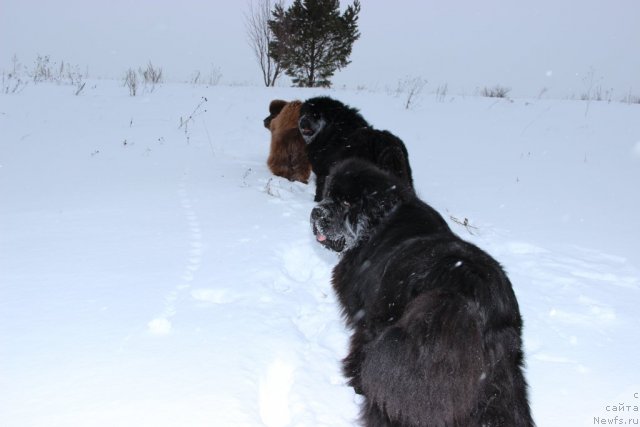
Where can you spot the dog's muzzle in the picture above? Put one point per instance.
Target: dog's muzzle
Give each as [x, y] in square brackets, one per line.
[305, 126]
[321, 224]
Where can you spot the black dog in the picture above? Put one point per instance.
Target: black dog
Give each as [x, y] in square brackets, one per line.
[436, 326]
[334, 132]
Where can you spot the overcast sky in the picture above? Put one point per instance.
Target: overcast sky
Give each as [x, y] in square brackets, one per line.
[563, 46]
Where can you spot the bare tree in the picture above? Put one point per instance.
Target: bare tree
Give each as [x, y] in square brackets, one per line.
[259, 37]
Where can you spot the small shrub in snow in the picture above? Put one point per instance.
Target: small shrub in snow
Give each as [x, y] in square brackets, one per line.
[80, 88]
[631, 99]
[184, 122]
[411, 88]
[465, 223]
[71, 74]
[45, 70]
[131, 81]
[597, 94]
[593, 88]
[542, 92]
[151, 75]
[42, 69]
[214, 76]
[211, 79]
[270, 190]
[196, 78]
[441, 92]
[495, 92]
[12, 83]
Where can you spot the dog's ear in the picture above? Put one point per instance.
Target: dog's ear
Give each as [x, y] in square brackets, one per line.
[276, 106]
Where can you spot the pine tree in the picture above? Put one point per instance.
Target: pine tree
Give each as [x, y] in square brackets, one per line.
[312, 39]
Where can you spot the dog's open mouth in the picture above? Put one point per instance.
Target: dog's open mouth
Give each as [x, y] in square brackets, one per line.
[307, 131]
[320, 237]
[335, 245]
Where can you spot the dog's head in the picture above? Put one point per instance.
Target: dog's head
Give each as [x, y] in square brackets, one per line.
[358, 196]
[322, 112]
[274, 109]
[312, 118]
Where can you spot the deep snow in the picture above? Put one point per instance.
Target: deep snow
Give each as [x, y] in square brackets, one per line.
[153, 274]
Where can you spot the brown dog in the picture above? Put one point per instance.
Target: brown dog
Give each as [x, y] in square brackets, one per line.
[287, 155]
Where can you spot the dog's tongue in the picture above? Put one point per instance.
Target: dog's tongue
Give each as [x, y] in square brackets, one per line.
[321, 237]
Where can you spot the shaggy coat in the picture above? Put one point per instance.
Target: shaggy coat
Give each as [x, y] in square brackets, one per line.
[334, 131]
[436, 328]
[287, 156]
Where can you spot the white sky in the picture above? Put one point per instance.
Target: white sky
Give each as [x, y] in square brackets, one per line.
[565, 46]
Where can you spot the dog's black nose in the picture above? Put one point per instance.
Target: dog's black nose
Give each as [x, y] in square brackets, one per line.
[304, 123]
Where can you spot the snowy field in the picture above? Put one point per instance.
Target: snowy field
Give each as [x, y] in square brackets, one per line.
[153, 274]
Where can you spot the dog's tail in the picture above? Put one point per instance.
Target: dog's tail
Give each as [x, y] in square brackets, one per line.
[428, 368]
[441, 364]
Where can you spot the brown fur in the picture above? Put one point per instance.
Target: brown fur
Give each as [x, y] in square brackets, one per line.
[287, 156]
[274, 109]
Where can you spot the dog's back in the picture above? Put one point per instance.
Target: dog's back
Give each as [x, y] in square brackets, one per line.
[383, 149]
[437, 327]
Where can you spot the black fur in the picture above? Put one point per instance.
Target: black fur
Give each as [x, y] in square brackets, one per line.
[334, 131]
[436, 326]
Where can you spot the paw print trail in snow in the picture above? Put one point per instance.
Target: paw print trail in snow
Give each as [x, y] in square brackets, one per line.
[162, 325]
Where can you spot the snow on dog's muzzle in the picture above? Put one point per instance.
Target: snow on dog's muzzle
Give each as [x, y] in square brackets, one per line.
[321, 223]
